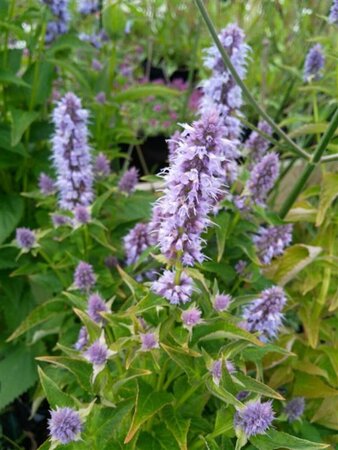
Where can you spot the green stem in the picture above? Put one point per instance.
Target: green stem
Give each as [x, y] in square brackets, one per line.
[330, 158]
[311, 165]
[227, 62]
[188, 394]
[52, 266]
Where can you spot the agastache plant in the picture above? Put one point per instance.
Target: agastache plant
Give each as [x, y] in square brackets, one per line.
[72, 154]
[333, 16]
[314, 63]
[64, 425]
[254, 418]
[271, 241]
[60, 23]
[88, 6]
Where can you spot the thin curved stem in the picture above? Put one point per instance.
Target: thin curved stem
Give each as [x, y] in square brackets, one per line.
[295, 148]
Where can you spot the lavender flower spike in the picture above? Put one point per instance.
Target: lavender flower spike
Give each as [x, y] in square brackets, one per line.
[265, 313]
[128, 181]
[101, 166]
[98, 354]
[60, 23]
[149, 341]
[25, 238]
[314, 63]
[191, 317]
[46, 184]
[71, 153]
[136, 242]
[86, 7]
[176, 293]
[96, 306]
[254, 418]
[333, 16]
[271, 241]
[263, 177]
[257, 145]
[84, 276]
[294, 409]
[82, 339]
[64, 425]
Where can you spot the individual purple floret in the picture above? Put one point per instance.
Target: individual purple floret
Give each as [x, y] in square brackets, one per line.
[217, 369]
[98, 353]
[263, 177]
[84, 276]
[101, 166]
[294, 409]
[136, 242]
[240, 267]
[129, 181]
[191, 317]
[192, 186]
[333, 16]
[271, 241]
[46, 184]
[60, 24]
[314, 63]
[82, 339]
[64, 425]
[60, 220]
[96, 305]
[71, 153]
[257, 145]
[101, 98]
[25, 238]
[176, 292]
[86, 7]
[111, 262]
[149, 341]
[222, 302]
[265, 313]
[254, 418]
[82, 214]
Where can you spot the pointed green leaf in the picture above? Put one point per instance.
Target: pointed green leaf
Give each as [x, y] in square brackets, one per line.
[222, 394]
[177, 425]
[328, 193]
[276, 440]
[11, 211]
[21, 120]
[54, 394]
[252, 385]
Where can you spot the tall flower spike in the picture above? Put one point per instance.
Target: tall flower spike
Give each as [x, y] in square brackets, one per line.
[84, 276]
[136, 242]
[71, 153]
[191, 188]
[64, 425]
[271, 241]
[314, 63]
[333, 16]
[129, 181]
[257, 145]
[175, 292]
[294, 409]
[60, 24]
[254, 418]
[263, 177]
[265, 313]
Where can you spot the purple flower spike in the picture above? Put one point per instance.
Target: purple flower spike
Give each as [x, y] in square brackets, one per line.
[175, 293]
[86, 7]
[294, 409]
[101, 98]
[136, 242]
[129, 181]
[263, 177]
[272, 241]
[333, 16]
[257, 144]
[149, 341]
[71, 153]
[82, 339]
[265, 313]
[240, 267]
[82, 214]
[96, 305]
[101, 166]
[25, 238]
[84, 276]
[60, 23]
[254, 418]
[191, 317]
[64, 425]
[222, 302]
[46, 184]
[97, 353]
[314, 63]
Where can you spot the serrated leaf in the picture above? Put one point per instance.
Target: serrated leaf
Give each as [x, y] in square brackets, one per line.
[294, 260]
[328, 193]
[39, 315]
[11, 211]
[177, 425]
[275, 440]
[54, 395]
[148, 403]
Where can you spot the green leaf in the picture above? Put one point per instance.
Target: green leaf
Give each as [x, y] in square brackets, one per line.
[6, 77]
[148, 403]
[302, 211]
[21, 120]
[39, 315]
[73, 69]
[328, 193]
[53, 393]
[222, 223]
[17, 373]
[222, 394]
[139, 92]
[252, 385]
[11, 211]
[311, 128]
[310, 386]
[294, 260]
[224, 422]
[177, 425]
[275, 440]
